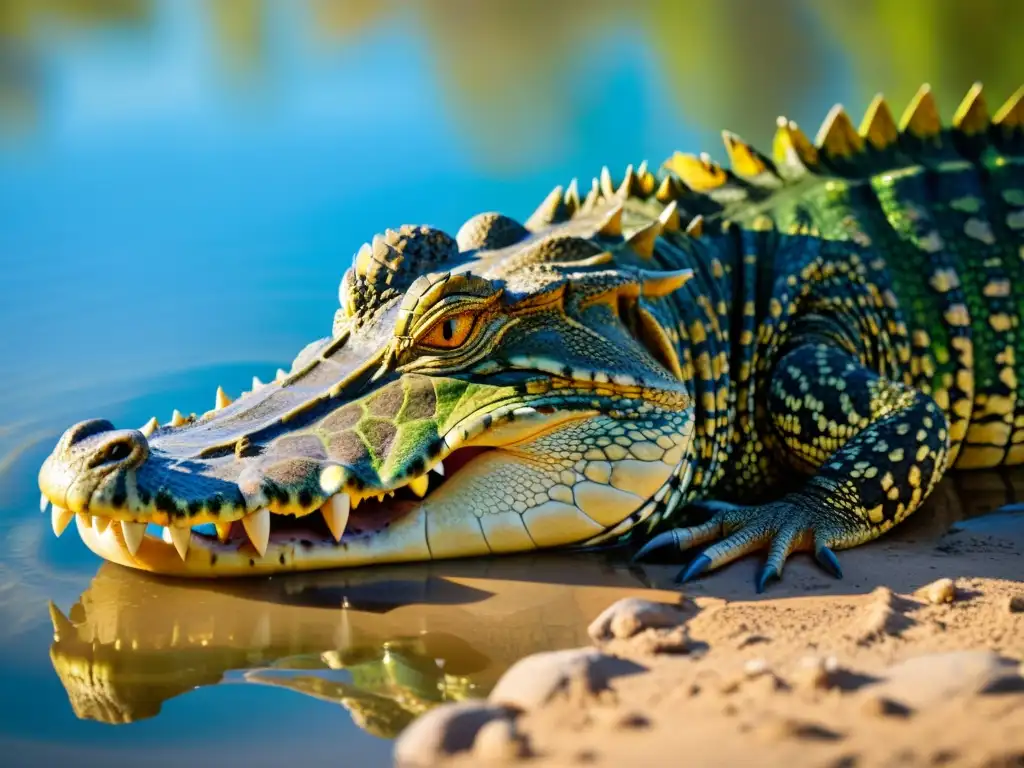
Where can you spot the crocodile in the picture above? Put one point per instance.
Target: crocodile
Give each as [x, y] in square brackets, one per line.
[783, 354]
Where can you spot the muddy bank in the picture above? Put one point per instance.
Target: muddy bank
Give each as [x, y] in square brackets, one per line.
[914, 659]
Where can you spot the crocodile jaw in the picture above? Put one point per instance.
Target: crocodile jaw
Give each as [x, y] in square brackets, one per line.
[460, 518]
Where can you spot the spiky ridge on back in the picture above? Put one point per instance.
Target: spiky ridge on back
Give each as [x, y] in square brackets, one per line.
[701, 187]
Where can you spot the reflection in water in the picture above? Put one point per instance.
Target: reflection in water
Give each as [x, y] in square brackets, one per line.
[385, 643]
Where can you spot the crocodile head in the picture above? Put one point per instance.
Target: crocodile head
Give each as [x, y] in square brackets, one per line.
[501, 392]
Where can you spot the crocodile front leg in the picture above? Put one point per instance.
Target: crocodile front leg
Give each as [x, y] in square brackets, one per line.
[875, 447]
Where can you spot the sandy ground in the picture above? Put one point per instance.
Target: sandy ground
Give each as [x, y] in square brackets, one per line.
[877, 669]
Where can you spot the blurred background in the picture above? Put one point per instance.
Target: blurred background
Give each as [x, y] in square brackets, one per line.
[183, 183]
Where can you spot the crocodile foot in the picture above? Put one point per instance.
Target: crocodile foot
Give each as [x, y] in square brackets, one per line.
[785, 526]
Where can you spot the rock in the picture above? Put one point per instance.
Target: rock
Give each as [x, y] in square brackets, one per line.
[655, 641]
[874, 705]
[497, 741]
[940, 591]
[535, 680]
[445, 731]
[877, 620]
[631, 615]
[812, 674]
[755, 667]
[1015, 603]
[880, 617]
[934, 678]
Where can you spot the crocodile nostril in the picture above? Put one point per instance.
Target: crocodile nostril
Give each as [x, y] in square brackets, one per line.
[116, 452]
[124, 447]
[86, 429]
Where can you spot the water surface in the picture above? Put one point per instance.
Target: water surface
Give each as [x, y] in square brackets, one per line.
[182, 185]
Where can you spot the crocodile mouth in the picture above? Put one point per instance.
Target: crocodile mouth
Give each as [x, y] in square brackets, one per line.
[350, 529]
[513, 479]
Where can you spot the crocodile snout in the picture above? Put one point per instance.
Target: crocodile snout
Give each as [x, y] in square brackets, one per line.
[87, 455]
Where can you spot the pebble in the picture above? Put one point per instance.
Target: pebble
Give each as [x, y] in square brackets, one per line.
[533, 681]
[940, 591]
[631, 615]
[874, 705]
[812, 673]
[1015, 603]
[934, 678]
[444, 731]
[755, 667]
[497, 740]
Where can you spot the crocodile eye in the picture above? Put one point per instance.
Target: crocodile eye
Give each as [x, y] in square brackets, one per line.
[449, 332]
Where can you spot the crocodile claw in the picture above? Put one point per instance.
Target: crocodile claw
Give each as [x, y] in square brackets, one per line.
[768, 574]
[694, 569]
[827, 559]
[663, 541]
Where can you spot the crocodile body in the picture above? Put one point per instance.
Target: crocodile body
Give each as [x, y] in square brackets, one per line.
[795, 348]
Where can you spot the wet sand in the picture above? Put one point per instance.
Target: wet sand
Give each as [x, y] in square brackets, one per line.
[890, 666]
[124, 667]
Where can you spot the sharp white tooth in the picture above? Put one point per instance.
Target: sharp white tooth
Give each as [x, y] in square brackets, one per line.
[221, 400]
[439, 468]
[150, 427]
[60, 518]
[420, 485]
[177, 419]
[335, 513]
[100, 524]
[256, 383]
[282, 374]
[43, 502]
[223, 531]
[179, 537]
[133, 534]
[257, 525]
[84, 520]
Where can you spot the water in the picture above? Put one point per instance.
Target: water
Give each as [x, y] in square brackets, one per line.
[182, 185]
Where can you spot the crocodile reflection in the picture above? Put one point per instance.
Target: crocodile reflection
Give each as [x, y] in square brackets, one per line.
[386, 644]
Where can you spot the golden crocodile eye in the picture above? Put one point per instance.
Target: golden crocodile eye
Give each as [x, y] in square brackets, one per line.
[449, 332]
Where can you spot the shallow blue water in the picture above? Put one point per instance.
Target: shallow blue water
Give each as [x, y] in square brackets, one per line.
[183, 184]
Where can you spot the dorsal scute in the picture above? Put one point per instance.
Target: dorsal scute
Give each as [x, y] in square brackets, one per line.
[489, 231]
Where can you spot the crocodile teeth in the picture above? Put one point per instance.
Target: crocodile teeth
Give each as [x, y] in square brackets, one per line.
[177, 419]
[356, 501]
[223, 531]
[221, 400]
[60, 518]
[256, 383]
[100, 524]
[420, 485]
[281, 375]
[335, 513]
[257, 525]
[84, 520]
[43, 502]
[150, 427]
[439, 468]
[179, 537]
[133, 534]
